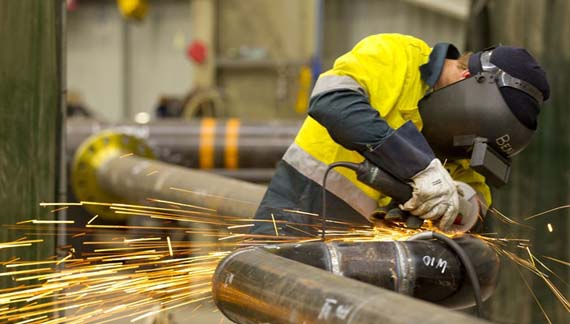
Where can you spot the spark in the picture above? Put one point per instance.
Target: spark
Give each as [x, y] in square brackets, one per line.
[38, 221]
[169, 246]
[45, 204]
[300, 230]
[151, 173]
[301, 212]
[129, 270]
[179, 204]
[240, 226]
[230, 237]
[213, 196]
[63, 260]
[152, 209]
[92, 219]
[126, 155]
[32, 319]
[18, 243]
[546, 212]
[27, 264]
[12, 273]
[59, 209]
[274, 225]
[142, 239]
[557, 260]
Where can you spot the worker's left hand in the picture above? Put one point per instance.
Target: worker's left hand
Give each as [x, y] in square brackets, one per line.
[434, 195]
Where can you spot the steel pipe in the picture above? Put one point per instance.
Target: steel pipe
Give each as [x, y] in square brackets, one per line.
[112, 167]
[126, 178]
[262, 285]
[207, 144]
[427, 270]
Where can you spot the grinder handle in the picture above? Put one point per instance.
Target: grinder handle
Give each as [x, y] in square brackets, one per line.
[383, 181]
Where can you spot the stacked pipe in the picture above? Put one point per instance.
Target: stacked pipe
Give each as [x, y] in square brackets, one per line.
[246, 150]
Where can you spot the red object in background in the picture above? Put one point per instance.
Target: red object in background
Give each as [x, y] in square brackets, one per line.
[72, 5]
[197, 52]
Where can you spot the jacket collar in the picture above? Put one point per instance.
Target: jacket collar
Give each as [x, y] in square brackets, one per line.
[432, 69]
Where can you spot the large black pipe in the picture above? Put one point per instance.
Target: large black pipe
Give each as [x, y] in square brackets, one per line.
[427, 270]
[287, 284]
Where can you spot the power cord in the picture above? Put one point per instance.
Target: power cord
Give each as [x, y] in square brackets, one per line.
[348, 165]
[469, 268]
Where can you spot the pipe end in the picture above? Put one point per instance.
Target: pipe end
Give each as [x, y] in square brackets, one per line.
[91, 155]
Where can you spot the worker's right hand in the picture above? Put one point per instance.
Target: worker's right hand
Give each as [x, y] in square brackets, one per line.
[434, 195]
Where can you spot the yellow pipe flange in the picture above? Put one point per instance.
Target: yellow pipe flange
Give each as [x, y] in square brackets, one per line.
[90, 156]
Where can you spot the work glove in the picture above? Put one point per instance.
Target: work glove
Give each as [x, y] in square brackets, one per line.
[434, 195]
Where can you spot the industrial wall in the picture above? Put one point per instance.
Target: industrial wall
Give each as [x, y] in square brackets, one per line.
[346, 22]
[30, 94]
[260, 59]
[540, 178]
[122, 67]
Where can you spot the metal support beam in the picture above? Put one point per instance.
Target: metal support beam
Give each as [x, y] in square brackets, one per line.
[203, 18]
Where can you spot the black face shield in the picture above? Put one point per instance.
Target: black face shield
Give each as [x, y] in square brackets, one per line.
[472, 108]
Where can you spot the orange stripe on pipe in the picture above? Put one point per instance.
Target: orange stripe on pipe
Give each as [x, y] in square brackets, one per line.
[232, 135]
[207, 138]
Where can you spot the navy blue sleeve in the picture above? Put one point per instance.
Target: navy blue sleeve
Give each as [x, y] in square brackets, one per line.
[353, 123]
[350, 119]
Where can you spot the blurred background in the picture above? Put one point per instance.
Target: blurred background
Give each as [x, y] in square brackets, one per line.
[170, 71]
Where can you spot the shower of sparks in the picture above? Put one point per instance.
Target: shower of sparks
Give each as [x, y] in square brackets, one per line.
[139, 271]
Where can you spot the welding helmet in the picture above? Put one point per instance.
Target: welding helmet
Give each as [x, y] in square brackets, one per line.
[497, 106]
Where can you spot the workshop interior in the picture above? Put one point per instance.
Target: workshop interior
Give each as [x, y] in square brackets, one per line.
[139, 139]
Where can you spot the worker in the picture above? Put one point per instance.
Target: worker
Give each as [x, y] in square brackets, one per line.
[366, 107]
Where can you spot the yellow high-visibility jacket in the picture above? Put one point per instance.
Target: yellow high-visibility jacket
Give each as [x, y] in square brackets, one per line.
[384, 70]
